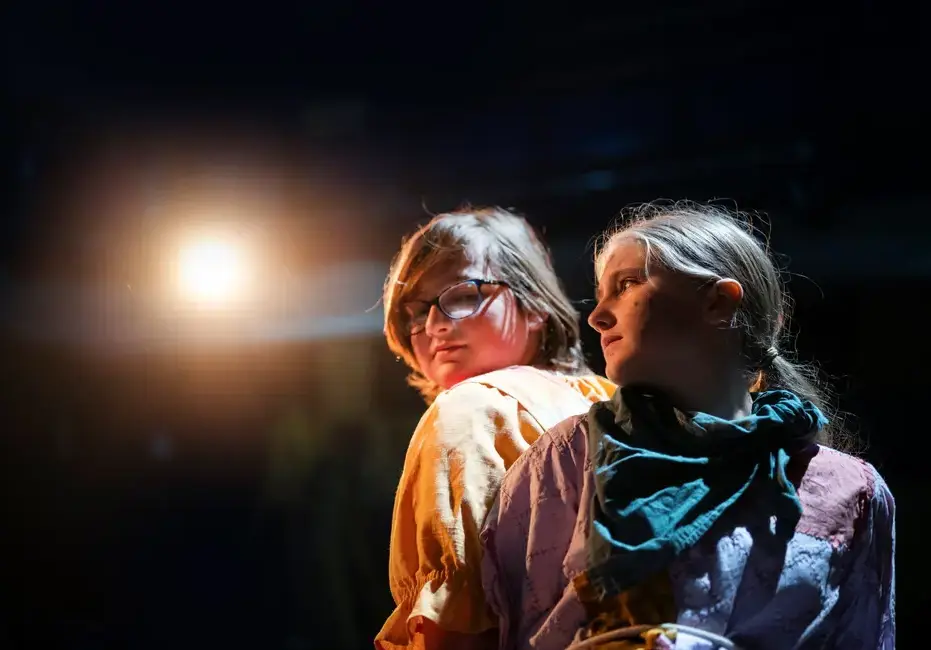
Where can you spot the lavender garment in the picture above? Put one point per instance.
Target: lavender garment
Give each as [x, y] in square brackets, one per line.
[831, 586]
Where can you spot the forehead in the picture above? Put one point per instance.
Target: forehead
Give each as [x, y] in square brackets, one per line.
[444, 273]
[623, 253]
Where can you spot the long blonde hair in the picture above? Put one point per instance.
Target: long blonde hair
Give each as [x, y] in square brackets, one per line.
[710, 242]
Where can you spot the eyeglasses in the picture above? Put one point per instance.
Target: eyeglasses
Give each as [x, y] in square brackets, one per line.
[459, 301]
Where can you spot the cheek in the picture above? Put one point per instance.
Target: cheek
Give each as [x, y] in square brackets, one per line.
[643, 323]
[633, 318]
[500, 333]
[669, 325]
[420, 344]
[486, 333]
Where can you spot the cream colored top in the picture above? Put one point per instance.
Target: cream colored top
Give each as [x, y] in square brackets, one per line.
[457, 457]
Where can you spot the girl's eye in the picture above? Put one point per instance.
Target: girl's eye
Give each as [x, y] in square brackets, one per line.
[624, 285]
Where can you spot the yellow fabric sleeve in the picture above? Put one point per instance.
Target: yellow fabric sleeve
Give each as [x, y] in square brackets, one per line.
[458, 455]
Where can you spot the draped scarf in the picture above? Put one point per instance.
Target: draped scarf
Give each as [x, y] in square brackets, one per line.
[663, 477]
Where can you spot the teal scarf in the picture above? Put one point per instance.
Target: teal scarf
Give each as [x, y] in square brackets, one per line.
[664, 477]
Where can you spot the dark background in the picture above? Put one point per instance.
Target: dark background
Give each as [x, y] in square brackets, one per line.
[173, 482]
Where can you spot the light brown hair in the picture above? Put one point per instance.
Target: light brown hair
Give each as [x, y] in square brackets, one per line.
[508, 247]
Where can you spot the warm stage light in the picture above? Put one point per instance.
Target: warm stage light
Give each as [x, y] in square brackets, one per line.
[211, 271]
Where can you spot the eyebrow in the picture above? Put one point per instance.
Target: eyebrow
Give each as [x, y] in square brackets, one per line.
[631, 271]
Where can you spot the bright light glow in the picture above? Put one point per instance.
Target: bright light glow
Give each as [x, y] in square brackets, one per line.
[211, 271]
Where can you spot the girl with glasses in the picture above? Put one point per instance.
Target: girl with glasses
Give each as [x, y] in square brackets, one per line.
[474, 308]
[707, 504]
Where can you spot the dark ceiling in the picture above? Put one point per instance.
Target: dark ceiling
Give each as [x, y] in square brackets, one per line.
[788, 106]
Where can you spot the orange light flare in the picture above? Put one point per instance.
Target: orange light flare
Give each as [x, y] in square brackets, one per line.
[212, 271]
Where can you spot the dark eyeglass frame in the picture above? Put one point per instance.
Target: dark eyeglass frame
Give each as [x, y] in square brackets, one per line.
[437, 302]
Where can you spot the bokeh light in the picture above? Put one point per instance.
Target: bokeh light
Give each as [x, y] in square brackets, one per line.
[211, 271]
